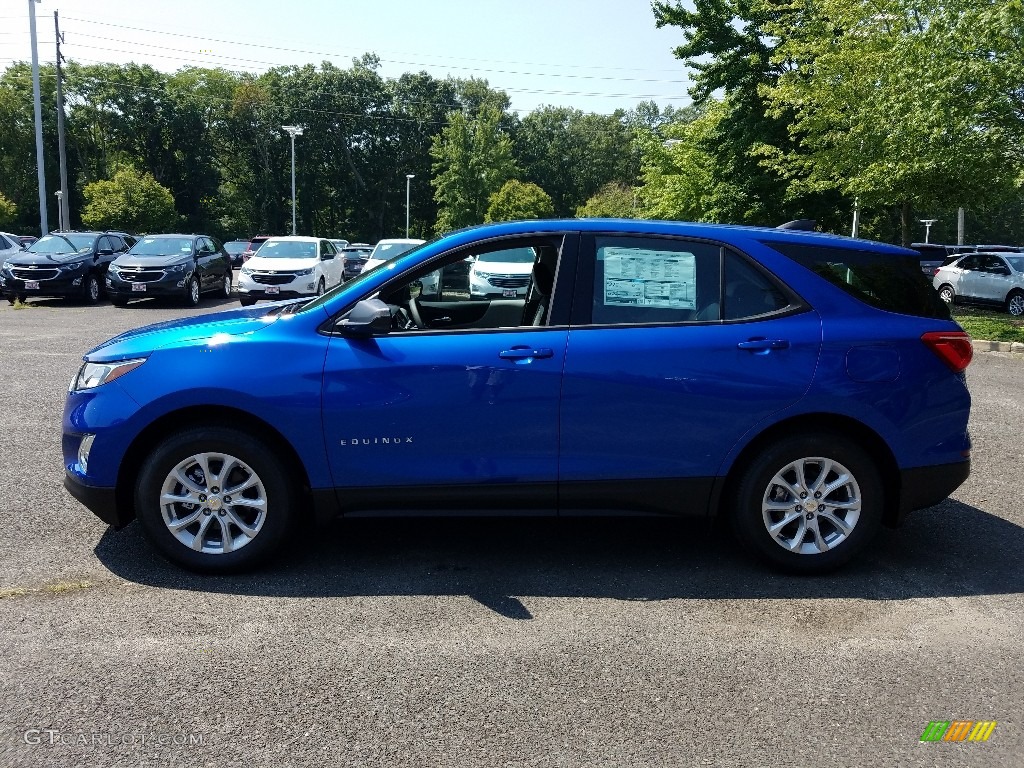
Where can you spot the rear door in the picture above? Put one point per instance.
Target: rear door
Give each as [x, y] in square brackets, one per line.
[676, 348]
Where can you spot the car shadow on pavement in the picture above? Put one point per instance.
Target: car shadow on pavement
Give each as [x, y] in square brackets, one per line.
[163, 302]
[949, 550]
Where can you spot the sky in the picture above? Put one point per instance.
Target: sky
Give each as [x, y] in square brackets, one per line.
[594, 55]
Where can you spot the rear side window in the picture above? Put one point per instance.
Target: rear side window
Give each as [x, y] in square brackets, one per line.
[884, 280]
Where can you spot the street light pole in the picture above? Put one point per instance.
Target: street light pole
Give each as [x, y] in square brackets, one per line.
[293, 131]
[60, 209]
[927, 227]
[44, 225]
[408, 179]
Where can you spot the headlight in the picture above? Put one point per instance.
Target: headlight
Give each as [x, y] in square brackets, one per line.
[8, 265]
[304, 272]
[482, 275]
[114, 268]
[178, 267]
[92, 375]
[245, 271]
[71, 267]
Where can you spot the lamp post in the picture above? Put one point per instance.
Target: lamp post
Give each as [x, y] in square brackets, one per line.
[408, 180]
[60, 209]
[293, 131]
[927, 227]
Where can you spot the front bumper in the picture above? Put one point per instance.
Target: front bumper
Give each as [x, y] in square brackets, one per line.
[297, 288]
[65, 284]
[172, 284]
[102, 502]
[484, 288]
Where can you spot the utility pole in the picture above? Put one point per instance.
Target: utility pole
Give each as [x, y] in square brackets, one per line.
[40, 173]
[64, 199]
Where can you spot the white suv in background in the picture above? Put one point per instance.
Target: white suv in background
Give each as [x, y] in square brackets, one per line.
[386, 250]
[501, 274]
[987, 279]
[289, 267]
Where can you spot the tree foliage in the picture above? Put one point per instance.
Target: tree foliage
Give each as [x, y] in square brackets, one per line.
[8, 211]
[518, 200]
[472, 160]
[612, 201]
[131, 201]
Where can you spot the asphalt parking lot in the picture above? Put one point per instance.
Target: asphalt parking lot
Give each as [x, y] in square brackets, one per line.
[469, 642]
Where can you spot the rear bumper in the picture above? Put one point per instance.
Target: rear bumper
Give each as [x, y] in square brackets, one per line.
[926, 486]
[101, 502]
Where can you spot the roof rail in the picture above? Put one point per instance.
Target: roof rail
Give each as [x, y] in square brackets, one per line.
[804, 225]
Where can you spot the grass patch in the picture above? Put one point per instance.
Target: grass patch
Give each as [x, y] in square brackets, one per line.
[989, 325]
[57, 588]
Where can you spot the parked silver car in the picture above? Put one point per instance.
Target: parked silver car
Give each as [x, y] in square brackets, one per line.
[986, 279]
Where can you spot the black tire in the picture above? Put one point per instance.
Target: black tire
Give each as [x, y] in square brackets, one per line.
[321, 288]
[947, 294]
[751, 517]
[255, 458]
[91, 289]
[192, 292]
[13, 298]
[226, 285]
[1015, 303]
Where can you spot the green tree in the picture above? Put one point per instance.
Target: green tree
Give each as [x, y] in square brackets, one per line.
[612, 201]
[519, 200]
[472, 160]
[132, 201]
[900, 103]
[8, 211]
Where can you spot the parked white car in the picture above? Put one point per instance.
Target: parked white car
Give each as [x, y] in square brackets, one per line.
[289, 267]
[501, 274]
[986, 279]
[9, 245]
[388, 249]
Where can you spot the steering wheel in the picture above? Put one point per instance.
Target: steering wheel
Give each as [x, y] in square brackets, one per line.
[414, 312]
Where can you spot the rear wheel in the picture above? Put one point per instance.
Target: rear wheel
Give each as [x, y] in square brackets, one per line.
[227, 285]
[1015, 303]
[809, 503]
[946, 294]
[214, 499]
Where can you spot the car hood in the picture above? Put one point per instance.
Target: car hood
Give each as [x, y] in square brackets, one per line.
[47, 259]
[503, 267]
[263, 264]
[139, 342]
[131, 260]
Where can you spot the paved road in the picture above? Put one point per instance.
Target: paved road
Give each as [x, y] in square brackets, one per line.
[491, 643]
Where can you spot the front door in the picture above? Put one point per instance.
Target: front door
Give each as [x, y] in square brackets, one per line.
[471, 402]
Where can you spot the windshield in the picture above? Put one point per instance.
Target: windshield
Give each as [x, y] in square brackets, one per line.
[510, 256]
[390, 250]
[236, 247]
[287, 249]
[62, 244]
[162, 246]
[1016, 263]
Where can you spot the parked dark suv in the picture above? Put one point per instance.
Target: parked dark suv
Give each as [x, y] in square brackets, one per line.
[71, 264]
[175, 266]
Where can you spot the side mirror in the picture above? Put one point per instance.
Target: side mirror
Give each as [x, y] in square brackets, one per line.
[369, 317]
[104, 252]
[326, 256]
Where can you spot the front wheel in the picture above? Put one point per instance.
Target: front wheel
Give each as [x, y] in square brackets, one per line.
[226, 288]
[214, 499]
[192, 292]
[91, 289]
[946, 294]
[320, 287]
[809, 503]
[1015, 303]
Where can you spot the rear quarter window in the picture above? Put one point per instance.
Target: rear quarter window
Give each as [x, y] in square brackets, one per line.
[887, 281]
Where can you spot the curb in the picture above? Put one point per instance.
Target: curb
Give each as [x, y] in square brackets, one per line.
[998, 346]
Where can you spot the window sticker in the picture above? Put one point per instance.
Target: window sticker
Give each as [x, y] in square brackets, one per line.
[638, 277]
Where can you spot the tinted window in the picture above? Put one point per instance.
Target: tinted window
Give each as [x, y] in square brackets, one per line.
[5, 243]
[749, 292]
[884, 280]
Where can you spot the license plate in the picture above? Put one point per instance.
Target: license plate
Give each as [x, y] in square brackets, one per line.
[139, 287]
[31, 285]
[273, 289]
[510, 293]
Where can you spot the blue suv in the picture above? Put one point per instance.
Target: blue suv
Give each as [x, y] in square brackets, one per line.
[808, 388]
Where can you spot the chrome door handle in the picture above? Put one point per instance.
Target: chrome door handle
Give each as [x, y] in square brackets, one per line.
[524, 353]
[759, 345]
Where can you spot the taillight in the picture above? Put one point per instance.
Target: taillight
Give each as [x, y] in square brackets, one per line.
[954, 348]
[936, 271]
